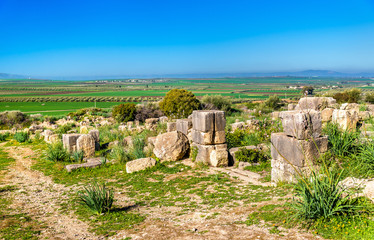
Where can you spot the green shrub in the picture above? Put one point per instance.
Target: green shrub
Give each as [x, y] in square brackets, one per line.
[350, 96]
[273, 102]
[319, 195]
[216, 102]
[3, 137]
[64, 128]
[21, 137]
[57, 153]
[98, 198]
[179, 103]
[138, 142]
[124, 112]
[77, 156]
[341, 143]
[250, 155]
[369, 97]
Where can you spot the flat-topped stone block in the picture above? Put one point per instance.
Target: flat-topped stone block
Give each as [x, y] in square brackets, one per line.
[302, 124]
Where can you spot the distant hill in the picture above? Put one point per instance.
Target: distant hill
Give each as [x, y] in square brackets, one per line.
[11, 76]
[306, 73]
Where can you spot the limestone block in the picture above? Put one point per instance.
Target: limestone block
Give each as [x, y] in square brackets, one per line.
[163, 119]
[291, 106]
[171, 146]
[302, 124]
[183, 125]
[346, 119]
[219, 137]
[203, 121]
[204, 138]
[86, 143]
[275, 115]
[96, 136]
[91, 163]
[203, 152]
[219, 121]
[283, 171]
[350, 106]
[171, 126]
[70, 141]
[297, 152]
[326, 114]
[140, 164]
[316, 103]
[364, 115]
[219, 156]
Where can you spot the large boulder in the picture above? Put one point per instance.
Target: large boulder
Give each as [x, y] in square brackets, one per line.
[86, 143]
[302, 124]
[140, 164]
[171, 126]
[346, 119]
[171, 146]
[316, 103]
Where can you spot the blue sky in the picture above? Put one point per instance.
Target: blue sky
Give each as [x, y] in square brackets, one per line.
[88, 38]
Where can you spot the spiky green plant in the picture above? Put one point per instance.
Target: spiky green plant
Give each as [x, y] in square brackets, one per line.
[77, 156]
[98, 198]
[21, 136]
[57, 153]
[341, 143]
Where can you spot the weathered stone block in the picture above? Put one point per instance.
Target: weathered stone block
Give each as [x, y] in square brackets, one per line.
[297, 152]
[91, 163]
[275, 115]
[302, 124]
[163, 119]
[183, 125]
[171, 126]
[346, 119]
[237, 125]
[140, 164]
[284, 172]
[203, 121]
[219, 121]
[291, 106]
[70, 141]
[86, 143]
[204, 138]
[316, 103]
[203, 152]
[326, 114]
[219, 156]
[219, 137]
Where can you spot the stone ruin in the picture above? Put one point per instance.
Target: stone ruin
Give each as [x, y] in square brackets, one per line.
[297, 148]
[87, 143]
[208, 136]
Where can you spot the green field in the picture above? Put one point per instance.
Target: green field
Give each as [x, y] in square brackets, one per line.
[54, 97]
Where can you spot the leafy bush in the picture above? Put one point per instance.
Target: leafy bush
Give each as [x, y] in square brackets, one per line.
[3, 137]
[21, 136]
[14, 119]
[216, 102]
[97, 197]
[77, 156]
[57, 153]
[319, 195]
[250, 155]
[149, 110]
[350, 96]
[124, 112]
[64, 128]
[179, 103]
[369, 97]
[341, 143]
[273, 102]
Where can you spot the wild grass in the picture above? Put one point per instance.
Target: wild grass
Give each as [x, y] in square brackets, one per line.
[97, 197]
[57, 153]
[341, 143]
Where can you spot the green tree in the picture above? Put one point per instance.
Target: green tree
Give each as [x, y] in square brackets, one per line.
[179, 103]
[216, 102]
[307, 90]
[124, 112]
[369, 97]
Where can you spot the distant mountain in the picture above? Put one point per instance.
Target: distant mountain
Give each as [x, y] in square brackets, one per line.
[11, 76]
[306, 73]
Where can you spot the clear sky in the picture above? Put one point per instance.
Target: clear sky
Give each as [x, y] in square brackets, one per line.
[88, 38]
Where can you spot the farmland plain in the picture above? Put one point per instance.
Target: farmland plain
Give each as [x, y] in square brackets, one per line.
[56, 97]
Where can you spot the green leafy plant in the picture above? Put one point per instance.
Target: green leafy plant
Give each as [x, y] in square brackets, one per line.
[216, 102]
[77, 156]
[98, 198]
[57, 153]
[21, 136]
[250, 155]
[179, 103]
[124, 112]
[120, 154]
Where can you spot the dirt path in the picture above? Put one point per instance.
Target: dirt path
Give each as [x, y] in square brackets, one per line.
[38, 196]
